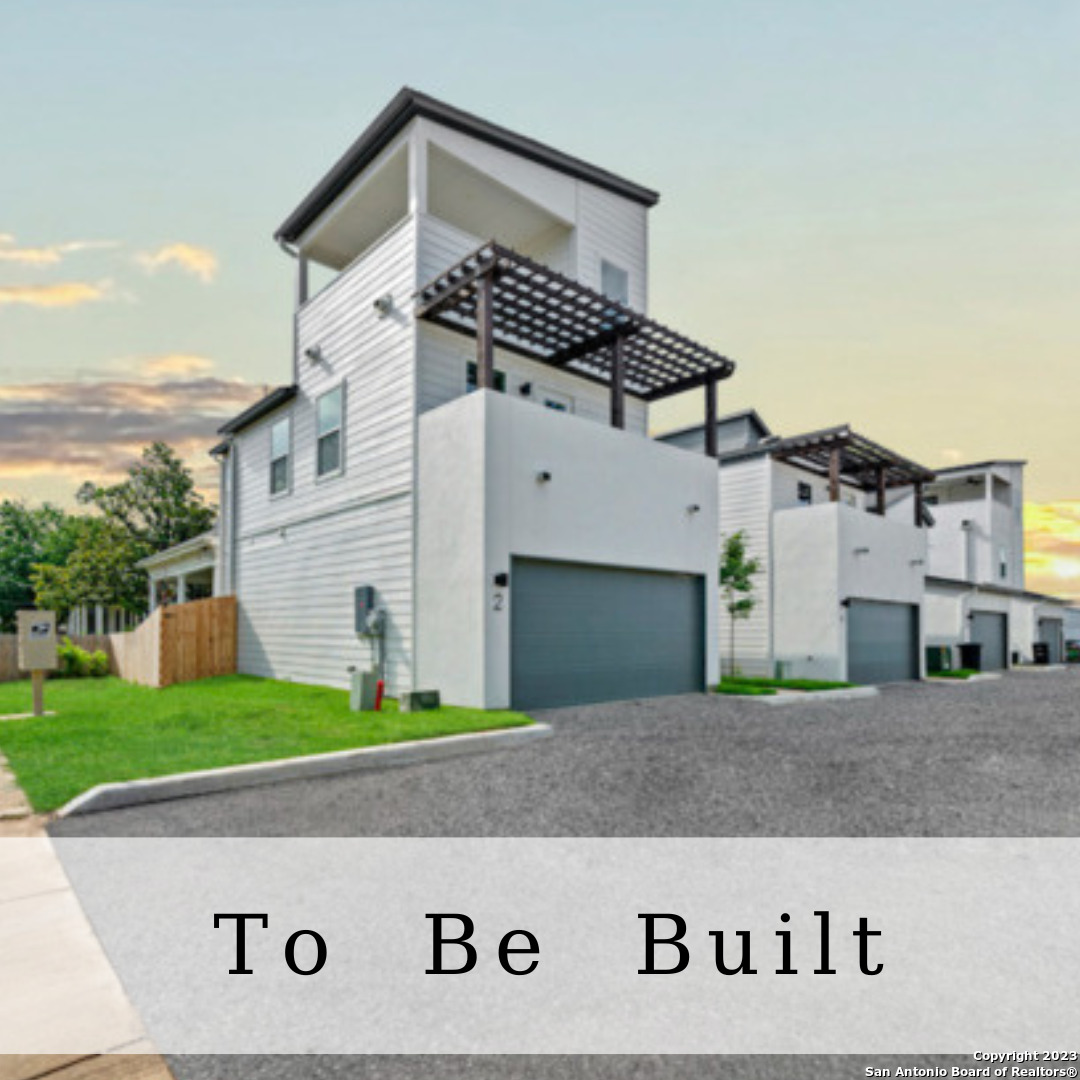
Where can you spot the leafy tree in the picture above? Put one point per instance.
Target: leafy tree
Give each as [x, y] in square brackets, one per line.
[99, 570]
[737, 574]
[157, 505]
[43, 535]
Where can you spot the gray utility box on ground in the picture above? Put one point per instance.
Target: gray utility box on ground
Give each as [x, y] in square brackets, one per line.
[364, 691]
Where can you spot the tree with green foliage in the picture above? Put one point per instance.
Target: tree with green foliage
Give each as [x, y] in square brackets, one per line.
[100, 570]
[29, 537]
[737, 574]
[157, 505]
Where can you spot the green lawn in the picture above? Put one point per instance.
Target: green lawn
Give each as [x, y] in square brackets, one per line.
[959, 673]
[107, 729]
[756, 687]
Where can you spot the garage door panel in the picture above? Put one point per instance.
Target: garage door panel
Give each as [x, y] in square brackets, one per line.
[883, 641]
[1052, 634]
[990, 629]
[584, 633]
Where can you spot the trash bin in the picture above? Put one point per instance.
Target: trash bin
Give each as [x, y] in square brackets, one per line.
[971, 655]
[1041, 652]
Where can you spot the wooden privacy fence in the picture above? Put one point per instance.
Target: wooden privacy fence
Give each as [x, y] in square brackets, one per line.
[172, 645]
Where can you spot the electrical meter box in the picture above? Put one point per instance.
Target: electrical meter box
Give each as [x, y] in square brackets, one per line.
[37, 640]
[364, 599]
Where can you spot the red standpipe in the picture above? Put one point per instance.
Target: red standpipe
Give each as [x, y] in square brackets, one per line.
[380, 686]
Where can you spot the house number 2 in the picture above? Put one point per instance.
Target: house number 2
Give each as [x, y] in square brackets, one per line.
[498, 602]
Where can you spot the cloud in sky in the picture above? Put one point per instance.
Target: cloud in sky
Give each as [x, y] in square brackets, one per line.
[59, 294]
[200, 262]
[67, 431]
[1052, 542]
[175, 364]
[48, 254]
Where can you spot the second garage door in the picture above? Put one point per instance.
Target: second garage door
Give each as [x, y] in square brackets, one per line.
[582, 633]
[1052, 635]
[883, 641]
[990, 629]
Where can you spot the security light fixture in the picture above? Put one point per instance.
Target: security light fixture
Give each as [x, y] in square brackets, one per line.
[383, 305]
[862, 551]
[693, 508]
[543, 477]
[525, 389]
[314, 354]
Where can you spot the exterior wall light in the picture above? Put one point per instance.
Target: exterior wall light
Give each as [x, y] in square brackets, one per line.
[862, 551]
[918, 562]
[384, 305]
[314, 354]
[543, 477]
[693, 508]
[525, 389]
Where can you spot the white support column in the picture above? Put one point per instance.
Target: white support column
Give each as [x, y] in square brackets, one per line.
[151, 607]
[181, 588]
[99, 618]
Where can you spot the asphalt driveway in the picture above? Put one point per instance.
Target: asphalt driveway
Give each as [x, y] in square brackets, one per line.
[987, 759]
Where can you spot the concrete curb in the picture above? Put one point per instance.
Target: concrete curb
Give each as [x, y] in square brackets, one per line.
[1037, 669]
[230, 778]
[983, 676]
[853, 693]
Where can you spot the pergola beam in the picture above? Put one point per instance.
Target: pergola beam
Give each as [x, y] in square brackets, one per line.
[618, 384]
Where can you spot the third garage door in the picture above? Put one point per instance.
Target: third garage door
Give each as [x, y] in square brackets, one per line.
[583, 633]
[990, 629]
[883, 641]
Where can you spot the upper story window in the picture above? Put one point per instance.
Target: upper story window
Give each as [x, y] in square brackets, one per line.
[614, 282]
[805, 494]
[280, 453]
[1003, 563]
[471, 377]
[329, 411]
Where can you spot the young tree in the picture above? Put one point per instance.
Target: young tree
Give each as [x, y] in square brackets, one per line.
[737, 574]
[157, 505]
[29, 537]
[100, 570]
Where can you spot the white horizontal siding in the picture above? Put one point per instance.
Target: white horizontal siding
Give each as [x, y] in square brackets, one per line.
[744, 507]
[785, 488]
[300, 555]
[613, 228]
[296, 595]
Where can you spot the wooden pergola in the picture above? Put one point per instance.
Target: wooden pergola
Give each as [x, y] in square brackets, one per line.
[844, 456]
[507, 300]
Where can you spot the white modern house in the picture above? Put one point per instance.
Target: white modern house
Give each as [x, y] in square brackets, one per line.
[975, 574]
[840, 590]
[464, 442]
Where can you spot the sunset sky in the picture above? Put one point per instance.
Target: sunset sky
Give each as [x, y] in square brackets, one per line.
[871, 206]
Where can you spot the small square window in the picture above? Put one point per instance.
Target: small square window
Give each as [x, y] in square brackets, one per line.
[805, 494]
[471, 374]
[329, 410]
[280, 439]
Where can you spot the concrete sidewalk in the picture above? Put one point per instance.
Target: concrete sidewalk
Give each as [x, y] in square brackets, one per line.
[63, 1012]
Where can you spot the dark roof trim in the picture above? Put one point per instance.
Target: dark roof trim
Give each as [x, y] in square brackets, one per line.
[995, 590]
[408, 104]
[749, 414]
[257, 411]
[979, 465]
[221, 448]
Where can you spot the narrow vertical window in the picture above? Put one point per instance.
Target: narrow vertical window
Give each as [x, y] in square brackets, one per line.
[805, 494]
[329, 432]
[280, 448]
[614, 282]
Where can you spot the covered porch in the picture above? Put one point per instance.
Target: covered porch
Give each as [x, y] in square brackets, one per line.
[509, 301]
[848, 458]
[185, 572]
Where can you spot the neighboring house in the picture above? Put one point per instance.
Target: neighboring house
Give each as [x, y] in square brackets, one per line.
[840, 588]
[98, 619]
[528, 544]
[975, 575]
[183, 572]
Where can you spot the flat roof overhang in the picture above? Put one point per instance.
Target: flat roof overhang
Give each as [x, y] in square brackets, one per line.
[545, 316]
[408, 104]
[862, 463]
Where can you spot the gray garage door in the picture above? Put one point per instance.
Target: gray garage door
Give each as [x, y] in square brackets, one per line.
[991, 630]
[883, 641]
[582, 633]
[1052, 633]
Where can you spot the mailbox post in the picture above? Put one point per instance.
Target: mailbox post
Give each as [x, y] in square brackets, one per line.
[37, 650]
